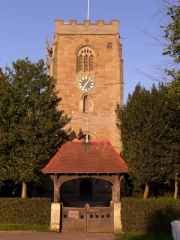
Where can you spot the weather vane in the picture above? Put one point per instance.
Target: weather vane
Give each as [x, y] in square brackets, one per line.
[88, 11]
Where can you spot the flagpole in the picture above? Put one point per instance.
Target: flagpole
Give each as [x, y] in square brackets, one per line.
[88, 12]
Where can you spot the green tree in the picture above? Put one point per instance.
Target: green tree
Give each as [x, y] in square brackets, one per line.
[172, 32]
[144, 125]
[172, 35]
[33, 121]
[6, 139]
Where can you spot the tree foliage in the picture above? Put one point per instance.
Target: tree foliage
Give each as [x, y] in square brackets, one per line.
[150, 121]
[172, 32]
[172, 35]
[31, 122]
[6, 136]
[148, 125]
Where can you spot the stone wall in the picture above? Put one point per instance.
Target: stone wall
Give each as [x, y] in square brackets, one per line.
[103, 38]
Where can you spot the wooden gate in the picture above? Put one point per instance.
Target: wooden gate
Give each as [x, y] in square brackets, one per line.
[100, 219]
[88, 219]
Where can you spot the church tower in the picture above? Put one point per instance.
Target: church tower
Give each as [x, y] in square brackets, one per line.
[86, 61]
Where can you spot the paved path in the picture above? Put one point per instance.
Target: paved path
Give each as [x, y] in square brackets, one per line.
[53, 236]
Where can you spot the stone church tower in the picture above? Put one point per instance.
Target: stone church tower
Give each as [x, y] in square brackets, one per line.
[86, 61]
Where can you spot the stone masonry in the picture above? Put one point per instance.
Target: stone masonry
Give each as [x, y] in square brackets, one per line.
[104, 39]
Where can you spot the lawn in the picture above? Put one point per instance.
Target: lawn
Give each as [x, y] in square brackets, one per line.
[160, 236]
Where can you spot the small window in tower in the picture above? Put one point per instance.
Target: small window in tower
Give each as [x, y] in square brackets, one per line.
[109, 45]
[85, 104]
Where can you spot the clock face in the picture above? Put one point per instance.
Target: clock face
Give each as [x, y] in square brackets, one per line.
[86, 83]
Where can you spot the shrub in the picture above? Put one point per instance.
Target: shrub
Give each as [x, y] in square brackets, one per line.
[24, 211]
[151, 215]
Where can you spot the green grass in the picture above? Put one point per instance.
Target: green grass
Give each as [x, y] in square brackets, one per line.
[24, 227]
[160, 236]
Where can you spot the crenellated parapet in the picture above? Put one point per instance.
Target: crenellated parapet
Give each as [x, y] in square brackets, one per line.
[100, 27]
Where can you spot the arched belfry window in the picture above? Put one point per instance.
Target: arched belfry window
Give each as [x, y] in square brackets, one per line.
[85, 60]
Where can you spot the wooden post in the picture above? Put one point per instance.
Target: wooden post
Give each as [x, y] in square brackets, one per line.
[56, 182]
[56, 205]
[116, 189]
[117, 204]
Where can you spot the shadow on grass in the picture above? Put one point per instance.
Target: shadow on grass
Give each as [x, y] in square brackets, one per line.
[155, 236]
[161, 220]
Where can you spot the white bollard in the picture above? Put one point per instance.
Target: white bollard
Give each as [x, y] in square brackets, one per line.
[175, 226]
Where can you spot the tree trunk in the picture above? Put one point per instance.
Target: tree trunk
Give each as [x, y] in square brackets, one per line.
[146, 191]
[24, 190]
[176, 183]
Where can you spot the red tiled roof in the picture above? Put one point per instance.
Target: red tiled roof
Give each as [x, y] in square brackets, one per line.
[80, 157]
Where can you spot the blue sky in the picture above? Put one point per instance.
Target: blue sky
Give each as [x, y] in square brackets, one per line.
[25, 26]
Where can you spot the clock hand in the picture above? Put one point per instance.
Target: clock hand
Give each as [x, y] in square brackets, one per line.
[85, 85]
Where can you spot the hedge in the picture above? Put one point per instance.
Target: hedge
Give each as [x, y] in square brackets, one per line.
[138, 215]
[151, 215]
[25, 211]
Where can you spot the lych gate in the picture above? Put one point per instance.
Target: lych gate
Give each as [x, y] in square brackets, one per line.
[86, 178]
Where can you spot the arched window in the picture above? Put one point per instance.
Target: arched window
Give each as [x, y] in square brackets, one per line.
[86, 104]
[85, 60]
